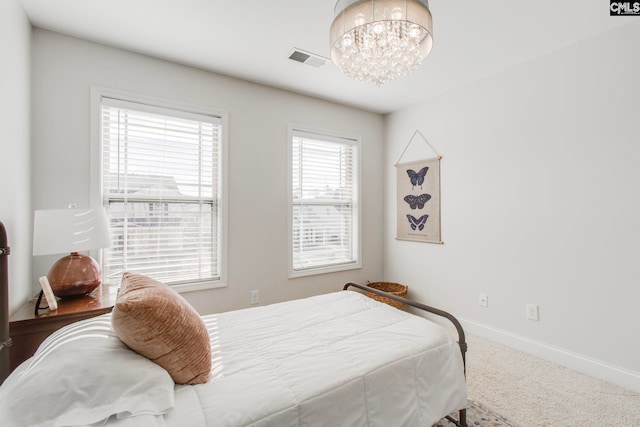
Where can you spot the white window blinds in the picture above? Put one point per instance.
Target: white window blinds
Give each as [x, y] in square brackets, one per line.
[324, 202]
[161, 187]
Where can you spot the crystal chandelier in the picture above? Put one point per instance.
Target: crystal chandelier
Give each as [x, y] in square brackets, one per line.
[380, 40]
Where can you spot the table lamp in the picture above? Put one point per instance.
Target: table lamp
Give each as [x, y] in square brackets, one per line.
[57, 231]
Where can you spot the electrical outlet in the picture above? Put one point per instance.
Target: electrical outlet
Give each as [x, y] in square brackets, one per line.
[483, 300]
[532, 312]
[255, 297]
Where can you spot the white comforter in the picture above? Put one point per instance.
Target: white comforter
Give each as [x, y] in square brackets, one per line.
[340, 359]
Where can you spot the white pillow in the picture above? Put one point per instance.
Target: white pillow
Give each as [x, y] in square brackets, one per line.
[83, 374]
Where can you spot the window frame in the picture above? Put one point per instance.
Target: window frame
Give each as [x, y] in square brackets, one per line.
[96, 169]
[329, 136]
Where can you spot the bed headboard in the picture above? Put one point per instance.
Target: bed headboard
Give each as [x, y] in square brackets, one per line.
[5, 339]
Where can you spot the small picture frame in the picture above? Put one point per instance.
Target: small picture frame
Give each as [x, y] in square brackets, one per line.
[48, 293]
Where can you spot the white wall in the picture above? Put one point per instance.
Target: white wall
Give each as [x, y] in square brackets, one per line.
[64, 68]
[15, 147]
[540, 203]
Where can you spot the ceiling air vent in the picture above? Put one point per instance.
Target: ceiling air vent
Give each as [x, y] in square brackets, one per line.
[308, 58]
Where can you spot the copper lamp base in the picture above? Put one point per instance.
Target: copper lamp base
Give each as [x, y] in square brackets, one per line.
[74, 275]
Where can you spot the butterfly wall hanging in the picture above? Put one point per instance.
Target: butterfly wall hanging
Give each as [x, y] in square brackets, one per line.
[418, 198]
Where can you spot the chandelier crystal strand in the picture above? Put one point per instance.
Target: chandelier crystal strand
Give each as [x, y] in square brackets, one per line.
[377, 41]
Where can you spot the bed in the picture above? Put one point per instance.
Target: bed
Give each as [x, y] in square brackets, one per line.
[339, 359]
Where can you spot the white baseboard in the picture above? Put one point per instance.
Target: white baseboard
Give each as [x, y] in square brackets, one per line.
[586, 365]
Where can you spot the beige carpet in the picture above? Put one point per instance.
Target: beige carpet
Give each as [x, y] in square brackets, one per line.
[532, 392]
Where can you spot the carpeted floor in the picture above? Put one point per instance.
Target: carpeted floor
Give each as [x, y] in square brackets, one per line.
[479, 416]
[535, 393]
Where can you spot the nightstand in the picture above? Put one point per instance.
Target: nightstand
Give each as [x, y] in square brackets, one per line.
[27, 330]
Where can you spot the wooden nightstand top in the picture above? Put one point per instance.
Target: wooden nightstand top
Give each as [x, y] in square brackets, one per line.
[99, 301]
[28, 330]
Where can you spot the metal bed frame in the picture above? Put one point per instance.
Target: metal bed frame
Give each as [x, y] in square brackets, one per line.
[5, 339]
[462, 415]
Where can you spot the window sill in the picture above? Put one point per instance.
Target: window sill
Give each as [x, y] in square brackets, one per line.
[324, 270]
[198, 286]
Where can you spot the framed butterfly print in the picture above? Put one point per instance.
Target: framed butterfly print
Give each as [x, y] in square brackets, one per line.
[418, 201]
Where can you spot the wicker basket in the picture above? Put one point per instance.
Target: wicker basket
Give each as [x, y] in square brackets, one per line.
[389, 287]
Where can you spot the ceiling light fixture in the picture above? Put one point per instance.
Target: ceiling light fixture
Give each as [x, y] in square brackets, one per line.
[380, 40]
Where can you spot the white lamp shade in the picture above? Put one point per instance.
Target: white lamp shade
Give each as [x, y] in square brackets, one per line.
[57, 231]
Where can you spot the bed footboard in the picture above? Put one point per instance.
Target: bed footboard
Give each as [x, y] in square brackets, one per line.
[462, 416]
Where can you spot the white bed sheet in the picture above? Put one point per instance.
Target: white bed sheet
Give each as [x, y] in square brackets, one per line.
[340, 359]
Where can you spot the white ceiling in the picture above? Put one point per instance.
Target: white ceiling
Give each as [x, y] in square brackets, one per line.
[252, 39]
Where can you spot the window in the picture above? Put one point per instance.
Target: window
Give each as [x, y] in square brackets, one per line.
[161, 182]
[324, 216]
